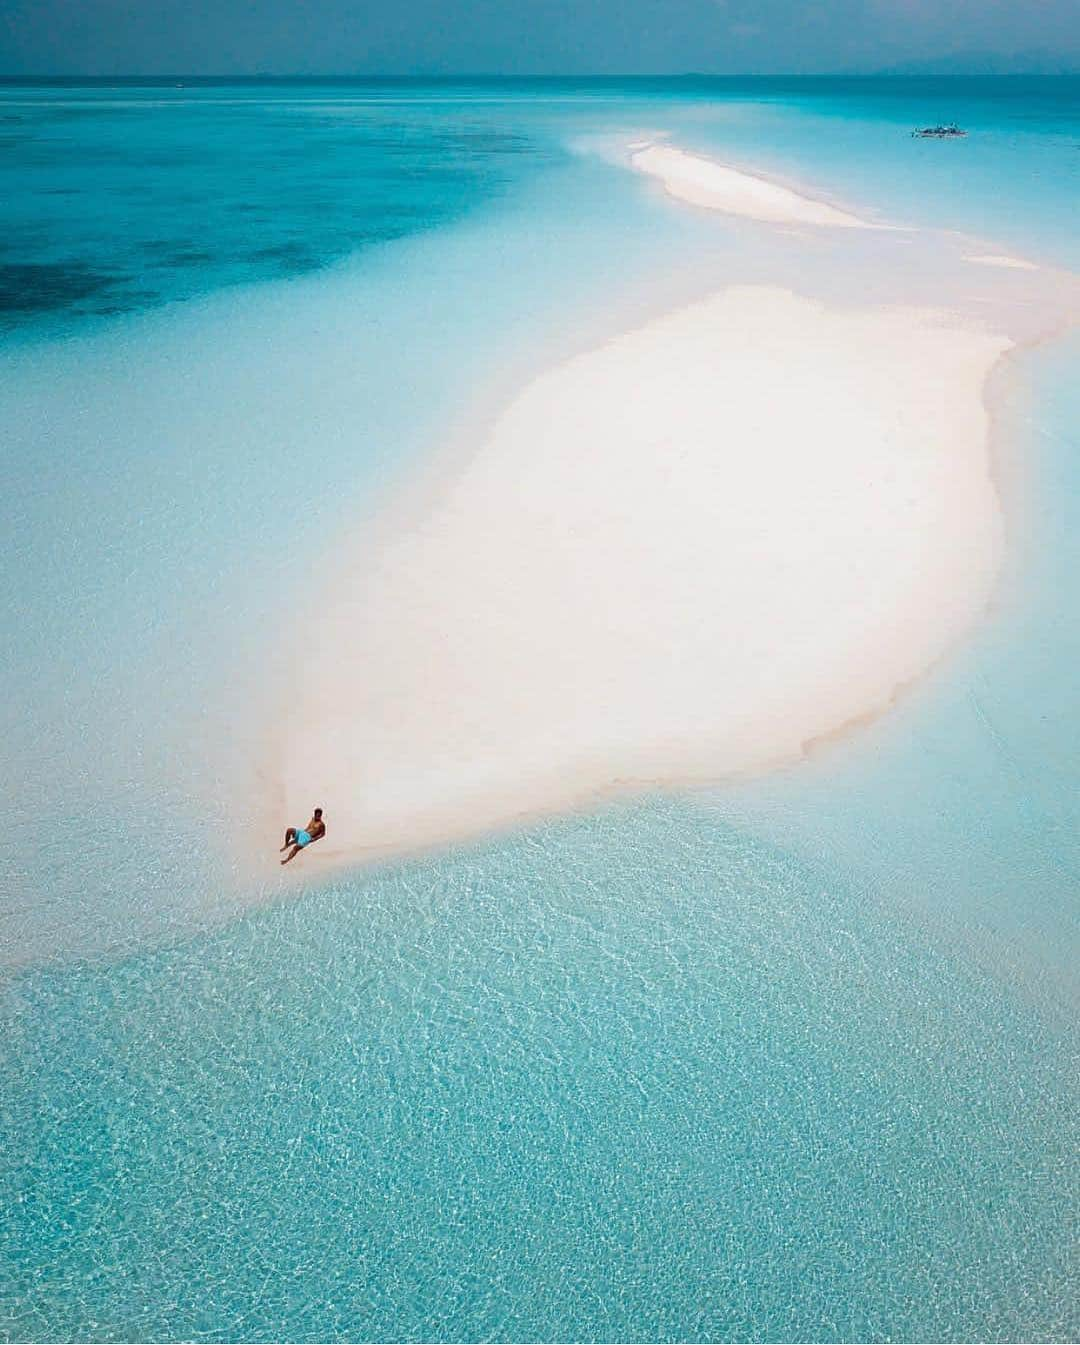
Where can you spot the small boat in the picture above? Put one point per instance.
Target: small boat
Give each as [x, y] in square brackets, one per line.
[938, 132]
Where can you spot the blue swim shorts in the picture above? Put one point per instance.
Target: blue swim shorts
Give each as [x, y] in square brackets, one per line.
[303, 838]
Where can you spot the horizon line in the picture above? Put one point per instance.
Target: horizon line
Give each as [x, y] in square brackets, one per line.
[489, 76]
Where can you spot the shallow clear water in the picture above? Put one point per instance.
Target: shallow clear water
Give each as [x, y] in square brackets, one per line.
[794, 1061]
[629, 1077]
[1014, 179]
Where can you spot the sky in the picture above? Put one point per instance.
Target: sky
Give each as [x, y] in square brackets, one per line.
[527, 37]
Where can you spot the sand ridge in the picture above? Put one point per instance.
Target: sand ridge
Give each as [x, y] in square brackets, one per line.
[683, 555]
[716, 186]
[1001, 259]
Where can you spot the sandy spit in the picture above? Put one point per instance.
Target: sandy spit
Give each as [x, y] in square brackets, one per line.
[1000, 259]
[716, 186]
[680, 556]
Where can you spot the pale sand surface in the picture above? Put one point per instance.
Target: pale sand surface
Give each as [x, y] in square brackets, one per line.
[997, 259]
[683, 555]
[704, 182]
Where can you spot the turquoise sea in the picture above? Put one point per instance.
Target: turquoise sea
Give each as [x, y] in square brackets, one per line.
[794, 1060]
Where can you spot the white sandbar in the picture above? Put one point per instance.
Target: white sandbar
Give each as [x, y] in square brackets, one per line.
[681, 556]
[999, 259]
[704, 182]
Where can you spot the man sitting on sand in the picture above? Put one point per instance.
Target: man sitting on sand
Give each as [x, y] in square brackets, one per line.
[314, 831]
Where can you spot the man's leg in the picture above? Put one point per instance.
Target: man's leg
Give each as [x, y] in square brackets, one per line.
[290, 837]
[292, 853]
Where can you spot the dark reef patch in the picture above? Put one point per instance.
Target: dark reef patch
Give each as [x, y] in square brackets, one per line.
[36, 287]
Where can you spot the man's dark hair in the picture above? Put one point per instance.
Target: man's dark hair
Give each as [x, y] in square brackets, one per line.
[318, 812]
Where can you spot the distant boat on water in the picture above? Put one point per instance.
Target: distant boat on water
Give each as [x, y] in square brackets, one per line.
[937, 132]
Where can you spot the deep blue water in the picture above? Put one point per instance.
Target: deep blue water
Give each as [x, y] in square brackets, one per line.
[796, 1061]
[120, 198]
[122, 194]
